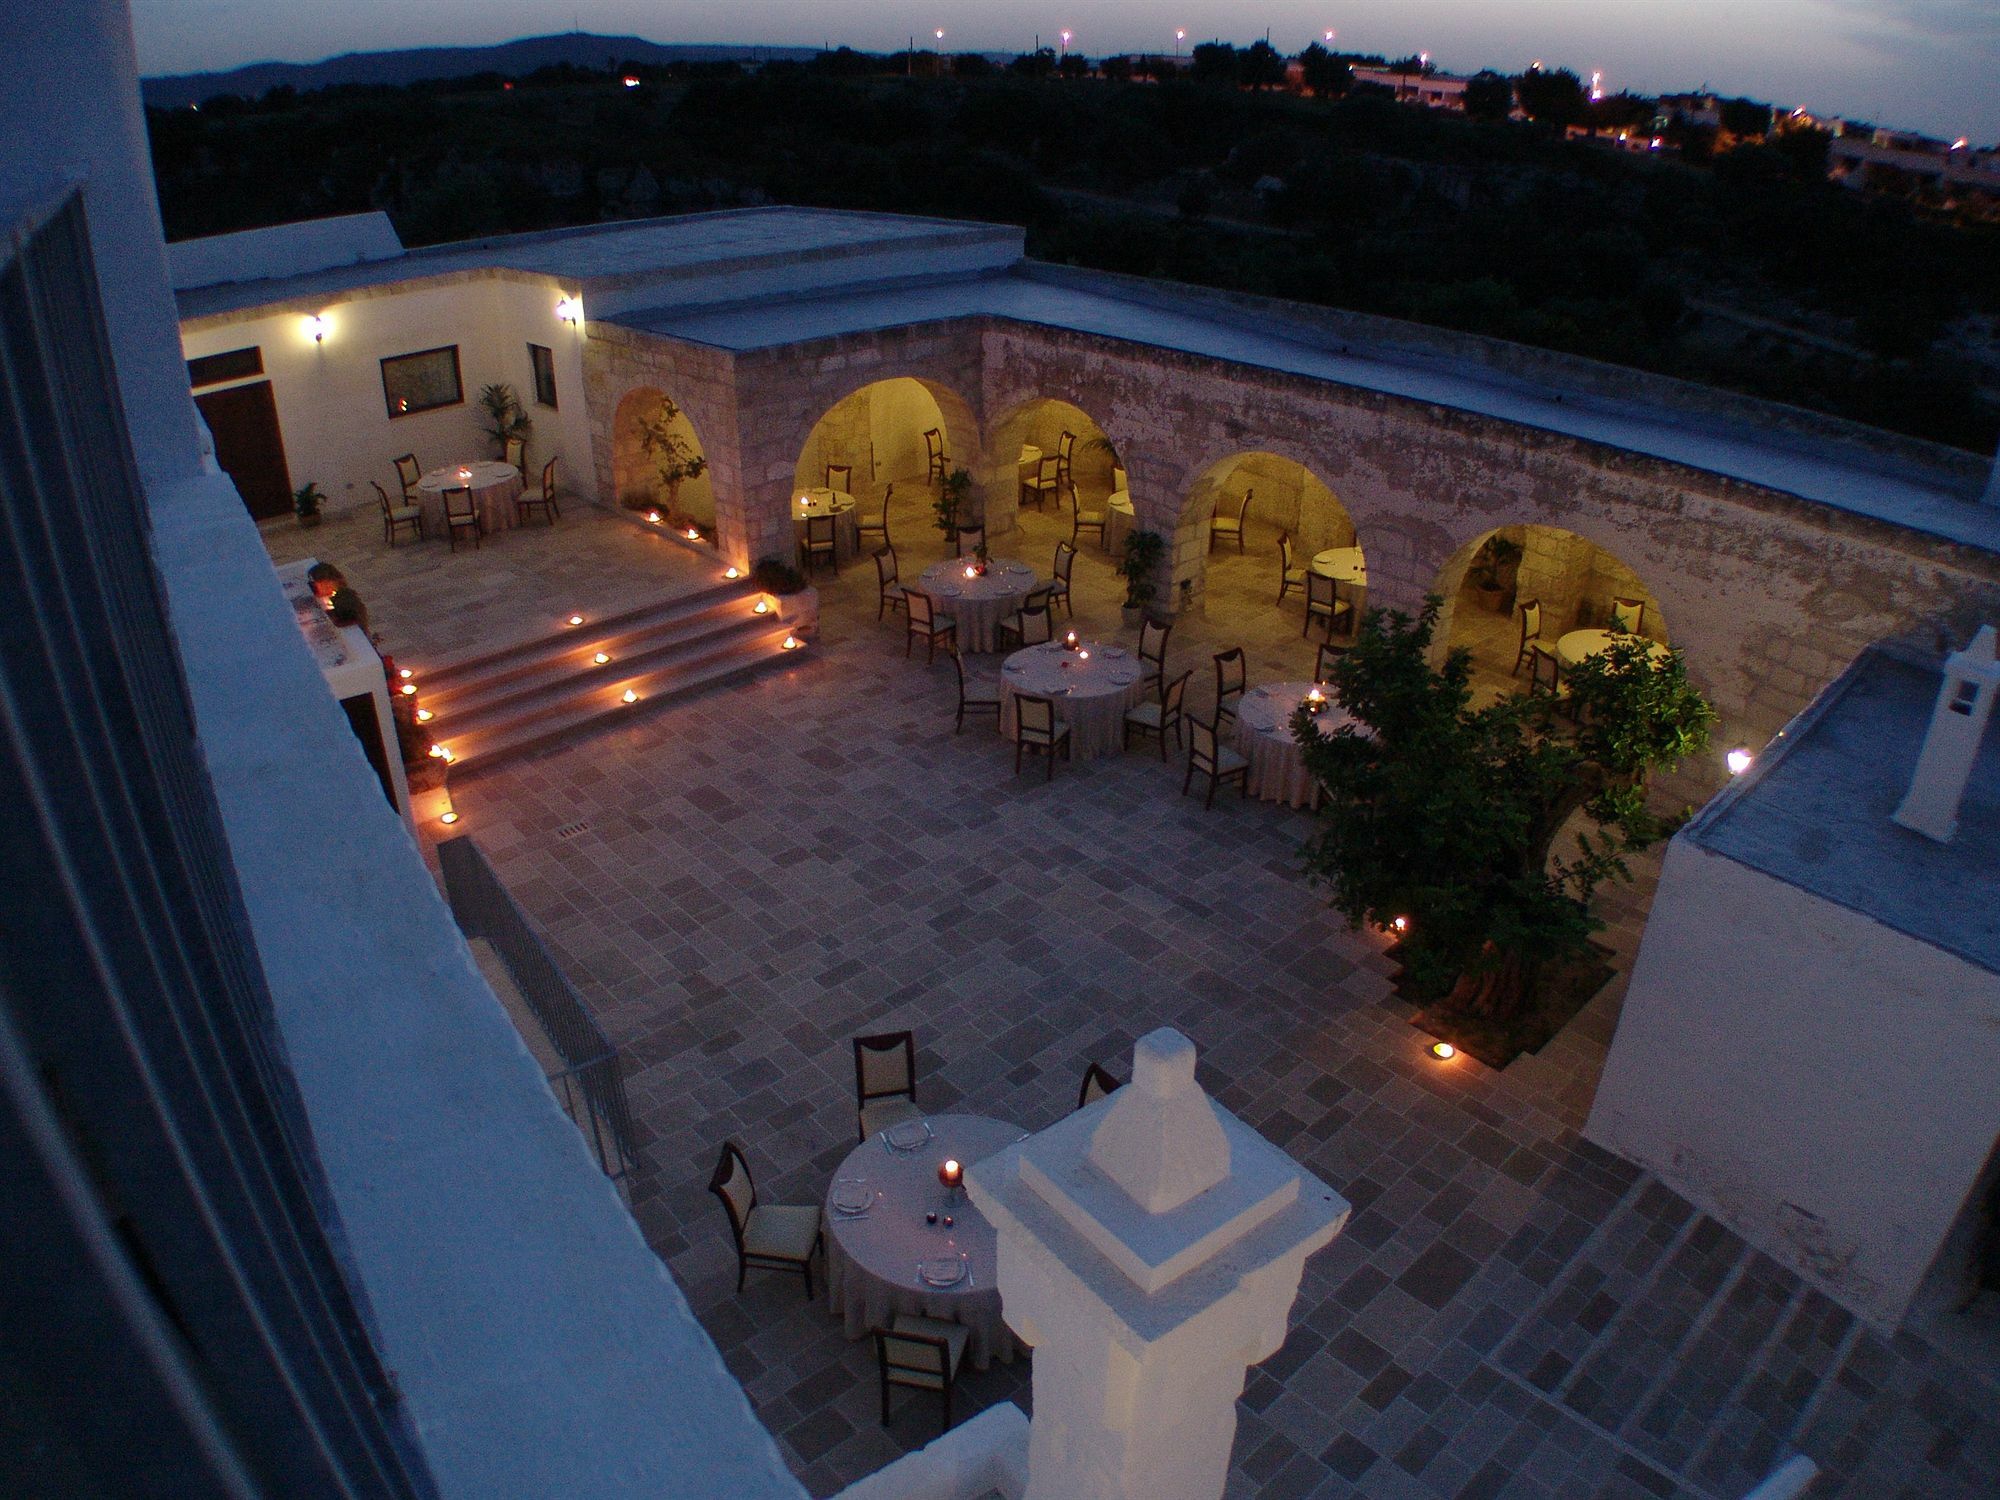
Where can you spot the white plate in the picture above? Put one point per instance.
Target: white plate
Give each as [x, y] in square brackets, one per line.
[1114, 652]
[947, 593]
[852, 1195]
[946, 1270]
[1124, 679]
[908, 1135]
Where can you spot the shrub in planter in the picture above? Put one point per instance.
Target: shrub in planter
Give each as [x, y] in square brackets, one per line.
[325, 578]
[776, 577]
[1143, 550]
[347, 608]
[306, 502]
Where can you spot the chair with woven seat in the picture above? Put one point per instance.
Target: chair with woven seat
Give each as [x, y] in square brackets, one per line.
[1159, 716]
[396, 517]
[1531, 632]
[866, 528]
[1037, 728]
[979, 695]
[926, 624]
[514, 452]
[1082, 520]
[1153, 652]
[769, 1236]
[891, 591]
[1324, 659]
[462, 514]
[934, 455]
[1030, 625]
[822, 541]
[544, 502]
[1231, 680]
[840, 477]
[1066, 458]
[920, 1354]
[1097, 1084]
[1037, 488]
[408, 472]
[970, 540]
[1059, 589]
[1628, 616]
[885, 1081]
[1208, 756]
[1289, 577]
[1323, 602]
[1228, 527]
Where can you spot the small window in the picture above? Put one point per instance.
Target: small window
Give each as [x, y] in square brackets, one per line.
[423, 381]
[213, 369]
[544, 361]
[1966, 696]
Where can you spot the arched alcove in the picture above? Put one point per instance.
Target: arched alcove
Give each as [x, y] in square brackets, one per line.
[1285, 500]
[635, 471]
[878, 432]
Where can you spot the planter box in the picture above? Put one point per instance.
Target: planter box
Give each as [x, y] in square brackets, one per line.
[799, 612]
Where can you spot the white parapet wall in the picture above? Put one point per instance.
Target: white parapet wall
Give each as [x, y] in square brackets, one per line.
[983, 1458]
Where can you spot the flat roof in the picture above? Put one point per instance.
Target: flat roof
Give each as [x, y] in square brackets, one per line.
[282, 250]
[1816, 812]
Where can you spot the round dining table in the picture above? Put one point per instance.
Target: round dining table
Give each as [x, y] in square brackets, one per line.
[1264, 738]
[495, 487]
[1091, 688]
[1578, 644]
[980, 603]
[1342, 564]
[846, 519]
[876, 1256]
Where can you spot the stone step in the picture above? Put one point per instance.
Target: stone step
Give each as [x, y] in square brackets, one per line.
[601, 704]
[524, 694]
[1764, 1418]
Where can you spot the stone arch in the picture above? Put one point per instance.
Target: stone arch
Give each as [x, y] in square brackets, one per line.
[1287, 496]
[878, 430]
[1041, 421]
[635, 480]
[1572, 575]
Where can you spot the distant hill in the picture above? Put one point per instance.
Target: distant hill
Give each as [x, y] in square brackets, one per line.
[413, 65]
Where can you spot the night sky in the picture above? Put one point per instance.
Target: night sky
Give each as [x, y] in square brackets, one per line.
[1925, 64]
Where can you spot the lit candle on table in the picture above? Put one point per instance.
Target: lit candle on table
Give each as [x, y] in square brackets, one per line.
[951, 1174]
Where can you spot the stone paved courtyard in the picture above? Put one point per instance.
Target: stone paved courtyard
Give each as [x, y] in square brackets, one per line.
[740, 883]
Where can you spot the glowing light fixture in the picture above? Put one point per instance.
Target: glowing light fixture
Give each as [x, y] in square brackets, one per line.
[792, 642]
[409, 690]
[763, 607]
[732, 572]
[1399, 924]
[424, 716]
[1443, 1051]
[445, 751]
[628, 696]
[569, 310]
[405, 673]
[1739, 760]
[629, 81]
[576, 619]
[653, 516]
[601, 658]
[448, 816]
[319, 327]
[437, 752]
[693, 534]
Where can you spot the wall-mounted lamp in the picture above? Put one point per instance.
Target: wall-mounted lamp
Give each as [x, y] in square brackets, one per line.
[569, 310]
[319, 326]
[1739, 761]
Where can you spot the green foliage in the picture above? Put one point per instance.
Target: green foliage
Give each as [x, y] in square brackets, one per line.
[504, 417]
[1448, 815]
[1552, 98]
[1324, 75]
[1140, 565]
[1489, 96]
[307, 500]
[775, 576]
[674, 455]
[946, 509]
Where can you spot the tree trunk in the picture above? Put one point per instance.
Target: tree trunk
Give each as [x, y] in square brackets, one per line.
[1498, 993]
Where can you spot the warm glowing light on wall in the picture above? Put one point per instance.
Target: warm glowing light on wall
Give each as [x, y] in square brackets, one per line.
[1443, 1051]
[450, 815]
[1739, 761]
[732, 572]
[1399, 925]
[601, 658]
[569, 310]
[318, 326]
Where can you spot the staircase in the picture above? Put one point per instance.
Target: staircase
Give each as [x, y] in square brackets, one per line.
[1704, 1361]
[494, 705]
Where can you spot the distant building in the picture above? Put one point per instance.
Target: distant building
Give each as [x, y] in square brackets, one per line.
[1904, 164]
[1432, 90]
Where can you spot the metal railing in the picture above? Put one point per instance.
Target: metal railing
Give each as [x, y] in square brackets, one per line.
[589, 1082]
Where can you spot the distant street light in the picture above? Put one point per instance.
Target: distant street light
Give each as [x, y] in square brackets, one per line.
[1065, 46]
[1179, 37]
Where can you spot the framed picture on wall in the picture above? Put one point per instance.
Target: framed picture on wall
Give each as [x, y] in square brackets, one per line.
[423, 381]
[543, 360]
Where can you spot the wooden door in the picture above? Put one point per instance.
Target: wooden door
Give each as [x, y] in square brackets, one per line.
[248, 445]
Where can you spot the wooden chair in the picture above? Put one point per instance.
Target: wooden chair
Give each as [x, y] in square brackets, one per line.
[1082, 520]
[1153, 652]
[545, 502]
[926, 624]
[1323, 602]
[1030, 625]
[920, 1354]
[1161, 716]
[515, 453]
[1230, 682]
[769, 1236]
[1289, 577]
[1042, 484]
[970, 540]
[840, 478]
[1061, 589]
[408, 472]
[864, 528]
[891, 591]
[1097, 1084]
[1628, 616]
[461, 514]
[934, 455]
[1220, 525]
[1065, 456]
[1545, 675]
[395, 517]
[885, 1081]
[1036, 728]
[1531, 632]
[1207, 756]
[1324, 658]
[980, 696]
[821, 541]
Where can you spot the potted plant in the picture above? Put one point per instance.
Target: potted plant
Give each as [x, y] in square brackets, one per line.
[1143, 550]
[673, 453]
[797, 600]
[346, 608]
[306, 502]
[505, 420]
[948, 508]
[324, 578]
[1493, 568]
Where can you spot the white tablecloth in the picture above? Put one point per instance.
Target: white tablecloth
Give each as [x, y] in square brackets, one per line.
[495, 487]
[871, 1261]
[1264, 738]
[1091, 696]
[1578, 644]
[846, 521]
[1345, 565]
[1118, 518]
[977, 604]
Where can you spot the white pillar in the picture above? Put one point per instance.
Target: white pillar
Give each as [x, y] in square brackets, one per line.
[1958, 724]
[1150, 1248]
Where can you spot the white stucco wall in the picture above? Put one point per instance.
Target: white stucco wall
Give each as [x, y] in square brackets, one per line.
[331, 409]
[1826, 1086]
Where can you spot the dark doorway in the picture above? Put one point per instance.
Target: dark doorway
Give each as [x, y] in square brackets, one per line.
[248, 445]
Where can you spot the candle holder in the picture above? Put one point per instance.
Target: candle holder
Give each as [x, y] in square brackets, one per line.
[1315, 701]
[1070, 641]
[951, 1174]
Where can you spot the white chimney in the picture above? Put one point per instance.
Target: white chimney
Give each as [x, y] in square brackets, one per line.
[1958, 724]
